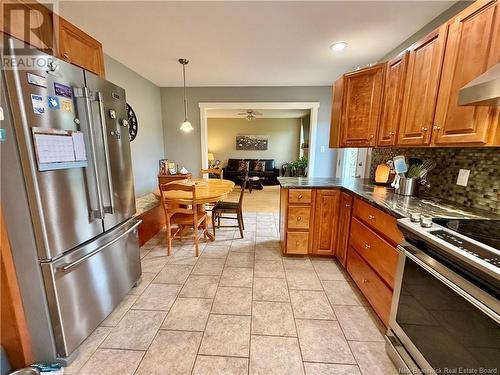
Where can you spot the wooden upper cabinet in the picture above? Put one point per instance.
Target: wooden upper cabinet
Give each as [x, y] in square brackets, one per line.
[344, 225]
[395, 75]
[421, 88]
[30, 22]
[473, 46]
[79, 48]
[325, 221]
[361, 107]
[336, 119]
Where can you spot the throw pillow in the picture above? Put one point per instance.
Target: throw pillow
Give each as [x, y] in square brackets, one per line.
[259, 166]
[243, 166]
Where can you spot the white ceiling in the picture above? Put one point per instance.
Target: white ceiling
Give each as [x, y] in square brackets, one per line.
[248, 43]
[266, 113]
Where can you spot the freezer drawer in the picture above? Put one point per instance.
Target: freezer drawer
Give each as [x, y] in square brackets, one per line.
[85, 286]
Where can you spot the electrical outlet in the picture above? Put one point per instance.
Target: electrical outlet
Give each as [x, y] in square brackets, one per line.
[463, 177]
[322, 149]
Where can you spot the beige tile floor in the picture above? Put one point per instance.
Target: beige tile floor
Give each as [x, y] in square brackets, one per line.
[240, 308]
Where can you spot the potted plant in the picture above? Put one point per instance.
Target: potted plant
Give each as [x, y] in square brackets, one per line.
[299, 167]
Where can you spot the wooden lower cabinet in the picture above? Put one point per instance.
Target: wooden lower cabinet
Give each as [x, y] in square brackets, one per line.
[297, 243]
[381, 222]
[374, 289]
[299, 217]
[381, 255]
[326, 218]
[296, 220]
[344, 224]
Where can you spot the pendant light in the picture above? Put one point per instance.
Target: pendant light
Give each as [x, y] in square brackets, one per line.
[186, 125]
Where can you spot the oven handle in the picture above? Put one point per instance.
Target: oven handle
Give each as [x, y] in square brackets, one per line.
[485, 309]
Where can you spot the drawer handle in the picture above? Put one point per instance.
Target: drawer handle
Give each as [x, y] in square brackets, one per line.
[371, 217]
[367, 246]
[365, 281]
[299, 218]
[348, 205]
[297, 243]
[300, 196]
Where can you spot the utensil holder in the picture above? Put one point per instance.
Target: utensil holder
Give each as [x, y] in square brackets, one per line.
[408, 186]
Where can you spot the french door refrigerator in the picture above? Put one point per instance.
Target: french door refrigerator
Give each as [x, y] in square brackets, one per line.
[71, 133]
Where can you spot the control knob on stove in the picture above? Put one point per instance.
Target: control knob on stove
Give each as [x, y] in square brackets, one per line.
[415, 217]
[426, 221]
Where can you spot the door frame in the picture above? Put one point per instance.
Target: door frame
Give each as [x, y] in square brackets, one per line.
[313, 107]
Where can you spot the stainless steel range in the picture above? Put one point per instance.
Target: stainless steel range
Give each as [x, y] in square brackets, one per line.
[445, 316]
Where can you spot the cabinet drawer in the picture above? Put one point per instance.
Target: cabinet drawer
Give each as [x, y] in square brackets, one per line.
[298, 217]
[376, 292]
[381, 222]
[299, 196]
[376, 251]
[297, 243]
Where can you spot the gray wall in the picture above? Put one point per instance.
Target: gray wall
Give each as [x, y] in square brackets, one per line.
[147, 147]
[185, 149]
[435, 23]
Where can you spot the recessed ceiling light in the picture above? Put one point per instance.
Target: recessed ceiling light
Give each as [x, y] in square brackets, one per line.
[339, 46]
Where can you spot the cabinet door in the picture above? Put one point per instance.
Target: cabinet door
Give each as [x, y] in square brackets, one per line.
[395, 75]
[473, 46]
[361, 107]
[30, 22]
[80, 49]
[344, 227]
[336, 119]
[421, 88]
[325, 221]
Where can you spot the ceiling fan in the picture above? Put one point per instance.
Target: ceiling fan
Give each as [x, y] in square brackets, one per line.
[250, 114]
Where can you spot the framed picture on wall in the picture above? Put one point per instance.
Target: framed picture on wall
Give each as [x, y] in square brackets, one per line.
[251, 142]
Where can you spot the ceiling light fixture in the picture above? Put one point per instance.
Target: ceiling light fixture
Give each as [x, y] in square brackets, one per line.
[186, 125]
[338, 46]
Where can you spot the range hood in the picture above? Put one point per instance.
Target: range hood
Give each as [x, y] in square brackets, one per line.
[483, 90]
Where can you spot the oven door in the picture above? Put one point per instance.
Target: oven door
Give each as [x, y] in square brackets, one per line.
[445, 323]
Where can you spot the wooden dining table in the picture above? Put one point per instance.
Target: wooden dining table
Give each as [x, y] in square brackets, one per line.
[208, 190]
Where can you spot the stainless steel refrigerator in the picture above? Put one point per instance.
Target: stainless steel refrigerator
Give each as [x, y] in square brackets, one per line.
[70, 132]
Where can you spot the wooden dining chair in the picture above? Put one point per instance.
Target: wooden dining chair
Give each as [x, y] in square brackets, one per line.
[222, 208]
[216, 171]
[183, 213]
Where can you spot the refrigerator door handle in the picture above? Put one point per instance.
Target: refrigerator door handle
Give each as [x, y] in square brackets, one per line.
[99, 99]
[68, 266]
[85, 94]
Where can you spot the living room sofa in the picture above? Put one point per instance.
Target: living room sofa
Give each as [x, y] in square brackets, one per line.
[270, 173]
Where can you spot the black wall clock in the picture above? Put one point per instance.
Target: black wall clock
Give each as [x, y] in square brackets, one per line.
[133, 126]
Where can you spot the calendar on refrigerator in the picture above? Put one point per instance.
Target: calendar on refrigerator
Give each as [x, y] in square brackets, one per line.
[59, 149]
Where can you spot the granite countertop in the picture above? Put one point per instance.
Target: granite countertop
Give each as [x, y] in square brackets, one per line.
[385, 198]
[145, 203]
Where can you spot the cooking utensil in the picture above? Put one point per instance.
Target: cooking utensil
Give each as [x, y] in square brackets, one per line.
[414, 161]
[400, 165]
[407, 186]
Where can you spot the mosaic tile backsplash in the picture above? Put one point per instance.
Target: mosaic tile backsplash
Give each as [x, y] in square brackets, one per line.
[483, 188]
